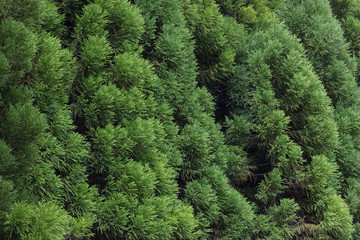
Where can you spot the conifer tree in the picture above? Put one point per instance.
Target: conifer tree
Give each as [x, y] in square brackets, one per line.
[40, 15]
[221, 210]
[348, 14]
[336, 68]
[130, 130]
[167, 119]
[48, 165]
[288, 111]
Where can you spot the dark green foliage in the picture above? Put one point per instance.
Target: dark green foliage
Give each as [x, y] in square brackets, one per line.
[131, 133]
[213, 51]
[4, 70]
[53, 70]
[43, 182]
[277, 224]
[352, 199]
[130, 70]
[283, 215]
[33, 13]
[22, 125]
[46, 163]
[237, 165]
[202, 143]
[270, 187]
[71, 9]
[290, 119]
[286, 87]
[17, 46]
[28, 221]
[21, 128]
[356, 232]
[335, 220]
[337, 71]
[196, 145]
[247, 13]
[92, 22]
[125, 24]
[94, 54]
[6, 158]
[167, 119]
[351, 28]
[321, 174]
[280, 97]
[236, 218]
[114, 216]
[8, 197]
[344, 8]
[204, 199]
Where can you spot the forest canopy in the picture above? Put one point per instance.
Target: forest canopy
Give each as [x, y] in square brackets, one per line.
[179, 119]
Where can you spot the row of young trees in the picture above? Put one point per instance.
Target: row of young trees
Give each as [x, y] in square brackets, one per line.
[168, 119]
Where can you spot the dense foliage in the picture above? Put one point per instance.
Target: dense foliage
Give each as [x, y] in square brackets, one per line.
[179, 119]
